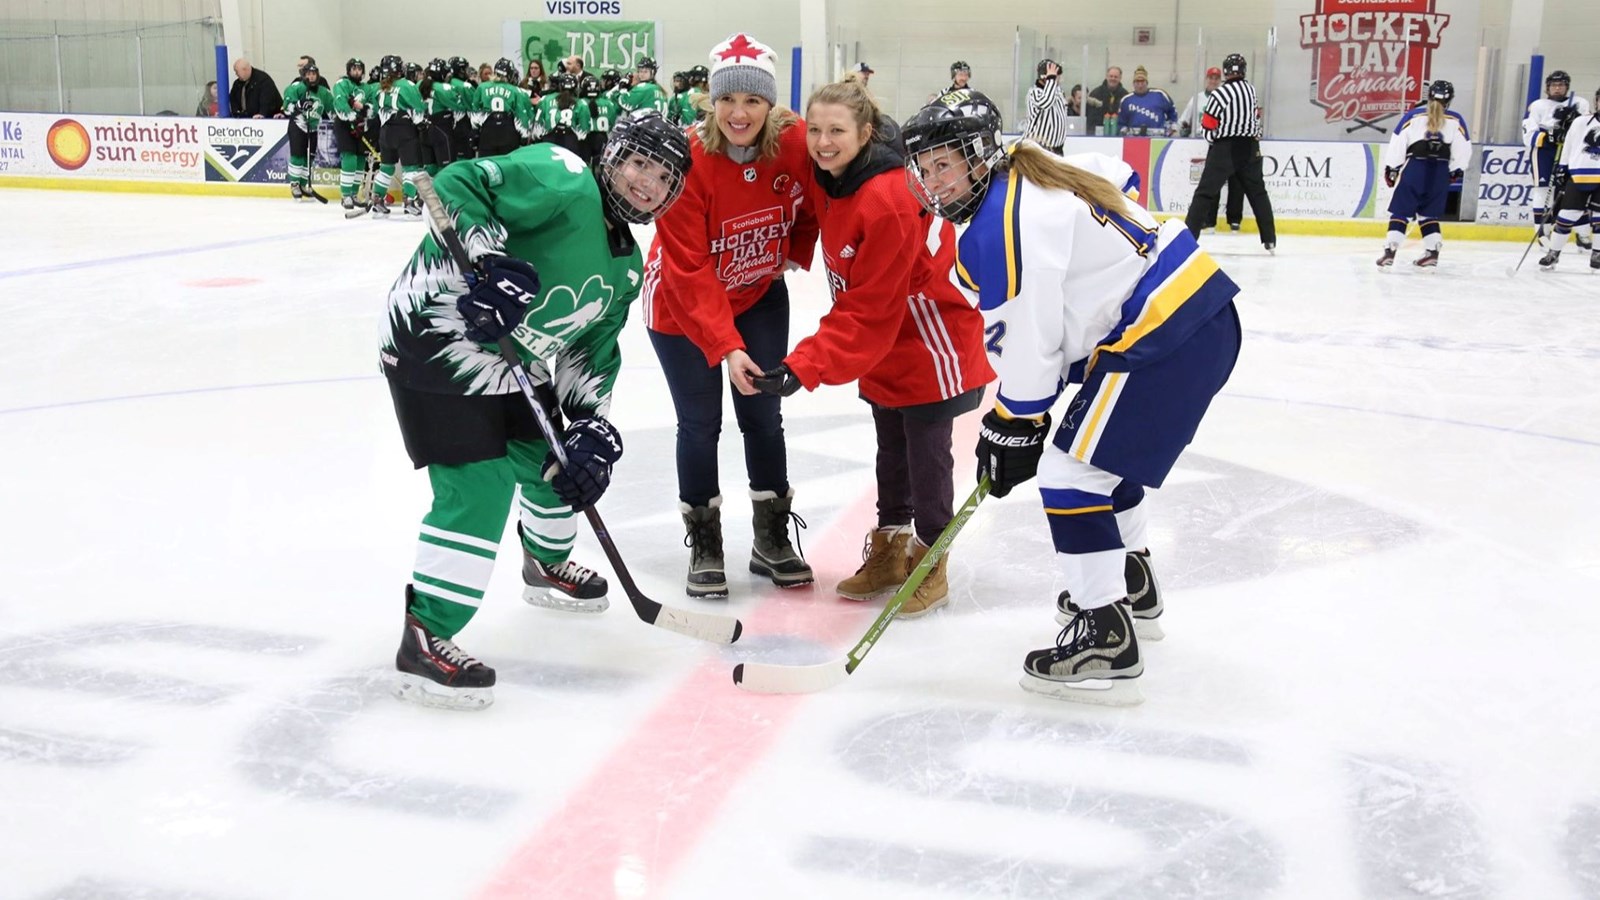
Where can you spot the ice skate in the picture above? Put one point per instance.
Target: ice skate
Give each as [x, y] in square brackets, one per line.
[1143, 600]
[567, 587]
[295, 191]
[1585, 241]
[413, 206]
[1594, 259]
[1387, 259]
[1234, 227]
[1271, 248]
[1550, 260]
[435, 672]
[1428, 260]
[708, 576]
[353, 207]
[1095, 660]
[380, 204]
[884, 565]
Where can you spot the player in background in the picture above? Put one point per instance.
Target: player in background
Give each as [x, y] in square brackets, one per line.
[611, 86]
[1577, 177]
[558, 269]
[1078, 286]
[1146, 111]
[401, 114]
[1426, 154]
[645, 93]
[1543, 130]
[900, 326]
[463, 136]
[561, 118]
[349, 126]
[443, 104]
[679, 112]
[699, 96]
[505, 118]
[714, 294]
[602, 113]
[305, 104]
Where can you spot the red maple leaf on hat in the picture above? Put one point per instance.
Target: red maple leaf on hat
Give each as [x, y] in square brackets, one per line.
[739, 48]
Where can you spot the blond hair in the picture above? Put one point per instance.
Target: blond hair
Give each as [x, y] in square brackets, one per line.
[1435, 117]
[778, 118]
[1047, 170]
[854, 96]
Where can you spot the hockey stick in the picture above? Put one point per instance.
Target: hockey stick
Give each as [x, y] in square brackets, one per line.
[367, 177]
[311, 166]
[705, 626]
[774, 678]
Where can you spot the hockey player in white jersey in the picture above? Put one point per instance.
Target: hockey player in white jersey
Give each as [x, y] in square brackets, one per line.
[1542, 132]
[1111, 168]
[1427, 153]
[1078, 285]
[1577, 181]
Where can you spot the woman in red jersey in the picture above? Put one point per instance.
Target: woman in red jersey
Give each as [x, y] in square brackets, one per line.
[714, 293]
[889, 265]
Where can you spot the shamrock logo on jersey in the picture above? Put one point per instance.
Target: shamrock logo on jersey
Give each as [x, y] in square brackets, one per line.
[561, 314]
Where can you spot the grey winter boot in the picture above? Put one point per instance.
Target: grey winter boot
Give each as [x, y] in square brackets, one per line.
[772, 554]
[708, 578]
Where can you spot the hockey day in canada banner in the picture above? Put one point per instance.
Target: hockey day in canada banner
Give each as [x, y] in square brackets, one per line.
[1366, 62]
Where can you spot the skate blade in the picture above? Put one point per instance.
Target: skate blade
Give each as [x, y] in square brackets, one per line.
[423, 692]
[1097, 691]
[546, 598]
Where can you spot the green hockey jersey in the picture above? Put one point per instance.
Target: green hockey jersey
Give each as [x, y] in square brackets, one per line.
[305, 106]
[497, 98]
[603, 114]
[400, 98]
[541, 204]
[645, 95]
[551, 116]
[681, 108]
[349, 100]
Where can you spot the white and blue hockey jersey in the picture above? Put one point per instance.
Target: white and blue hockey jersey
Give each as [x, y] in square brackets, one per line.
[1111, 168]
[1581, 153]
[1413, 140]
[1067, 288]
[1539, 126]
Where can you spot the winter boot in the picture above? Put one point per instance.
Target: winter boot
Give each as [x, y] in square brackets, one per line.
[1428, 260]
[933, 592]
[568, 587]
[1143, 600]
[1387, 259]
[708, 576]
[884, 566]
[1095, 660]
[435, 672]
[773, 555]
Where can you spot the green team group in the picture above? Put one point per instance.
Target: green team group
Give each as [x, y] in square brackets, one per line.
[419, 118]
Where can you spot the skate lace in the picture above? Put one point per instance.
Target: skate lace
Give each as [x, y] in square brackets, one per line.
[571, 571]
[704, 539]
[1076, 635]
[455, 655]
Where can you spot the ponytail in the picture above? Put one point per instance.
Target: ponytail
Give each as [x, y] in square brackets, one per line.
[1047, 170]
[1435, 116]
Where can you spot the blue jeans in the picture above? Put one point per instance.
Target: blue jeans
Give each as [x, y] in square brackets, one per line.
[697, 397]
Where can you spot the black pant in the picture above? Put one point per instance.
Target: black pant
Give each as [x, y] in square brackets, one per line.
[1235, 203]
[463, 140]
[914, 469]
[397, 142]
[435, 145]
[1229, 157]
[697, 397]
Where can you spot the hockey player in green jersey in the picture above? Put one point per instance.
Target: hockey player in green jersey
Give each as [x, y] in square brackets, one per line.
[645, 93]
[562, 119]
[464, 138]
[556, 269]
[602, 113]
[679, 110]
[305, 106]
[400, 112]
[349, 121]
[443, 103]
[505, 117]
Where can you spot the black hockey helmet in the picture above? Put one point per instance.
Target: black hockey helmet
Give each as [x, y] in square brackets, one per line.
[460, 67]
[1442, 91]
[589, 86]
[507, 70]
[645, 134]
[413, 71]
[310, 72]
[1039, 70]
[1560, 77]
[647, 62]
[680, 81]
[699, 75]
[609, 78]
[355, 62]
[959, 65]
[438, 69]
[1233, 65]
[564, 81]
[967, 122]
[390, 64]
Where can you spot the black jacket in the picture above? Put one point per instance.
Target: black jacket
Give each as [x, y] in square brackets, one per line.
[257, 96]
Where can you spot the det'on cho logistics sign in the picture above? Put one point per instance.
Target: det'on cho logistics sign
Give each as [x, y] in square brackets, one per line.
[602, 44]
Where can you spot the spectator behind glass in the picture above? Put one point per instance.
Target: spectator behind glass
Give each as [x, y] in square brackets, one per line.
[254, 95]
[535, 80]
[485, 73]
[1075, 102]
[208, 101]
[1105, 99]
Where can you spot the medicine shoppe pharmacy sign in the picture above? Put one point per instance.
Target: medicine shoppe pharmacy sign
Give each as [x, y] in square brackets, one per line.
[1305, 179]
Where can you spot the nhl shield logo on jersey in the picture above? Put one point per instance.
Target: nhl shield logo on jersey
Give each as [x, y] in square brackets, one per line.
[750, 175]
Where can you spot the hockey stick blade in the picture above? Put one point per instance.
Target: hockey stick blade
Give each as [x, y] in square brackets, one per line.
[776, 678]
[705, 626]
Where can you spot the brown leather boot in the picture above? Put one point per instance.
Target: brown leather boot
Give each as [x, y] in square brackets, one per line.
[934, 591]
[883, 564]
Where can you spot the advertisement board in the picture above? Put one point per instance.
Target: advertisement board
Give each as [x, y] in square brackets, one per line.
[603, 44]
[1505, 185]
[1305, 179]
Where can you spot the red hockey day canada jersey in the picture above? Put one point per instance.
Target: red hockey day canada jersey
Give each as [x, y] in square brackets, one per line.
[889, 271]
[725, 241]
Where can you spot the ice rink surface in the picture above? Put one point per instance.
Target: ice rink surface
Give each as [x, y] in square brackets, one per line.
[1379, 560]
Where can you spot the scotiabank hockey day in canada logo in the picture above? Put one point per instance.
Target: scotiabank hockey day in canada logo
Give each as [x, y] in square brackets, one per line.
[1370, 58]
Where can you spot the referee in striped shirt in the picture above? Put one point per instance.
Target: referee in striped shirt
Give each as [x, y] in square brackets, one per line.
[1046, 118]
[1233, 126]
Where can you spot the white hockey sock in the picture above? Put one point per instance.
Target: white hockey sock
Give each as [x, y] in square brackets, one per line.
[1095, 579]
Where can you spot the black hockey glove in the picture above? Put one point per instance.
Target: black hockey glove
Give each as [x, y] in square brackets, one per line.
[1390, 175]
[494, 305]
[779, 381]
[1009, 450]
[593, 446]
[1456, 175]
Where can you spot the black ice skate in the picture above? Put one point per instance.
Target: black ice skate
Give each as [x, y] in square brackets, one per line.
[295, 191]
[1387, 259]
[1428, 260]
[435, 672]
[1550, 260]
[1095, 660]
[414, 206]
[1594, 259]
[1585, 242]
[772, 554]
[380, 204]
[708, 576]
[1271, 248]
[1143, 601]
[1234, 227]
[568, 587]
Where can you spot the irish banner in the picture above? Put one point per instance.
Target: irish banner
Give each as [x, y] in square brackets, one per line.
[603, 44]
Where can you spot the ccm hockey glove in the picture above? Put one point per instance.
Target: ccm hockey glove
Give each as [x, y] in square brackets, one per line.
[593, 446]
[1009, 450]
[494, 305]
